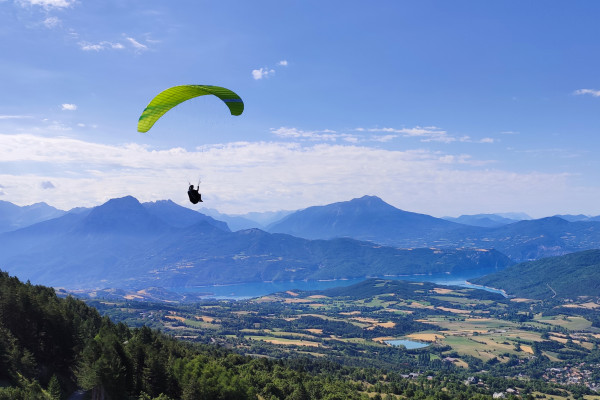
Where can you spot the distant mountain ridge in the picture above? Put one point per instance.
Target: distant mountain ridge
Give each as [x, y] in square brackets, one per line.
[123, 243]
[371, 219]
[247, 221]
[13, 217]
[483, 220]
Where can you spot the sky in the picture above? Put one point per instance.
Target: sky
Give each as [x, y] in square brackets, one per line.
[438, 107]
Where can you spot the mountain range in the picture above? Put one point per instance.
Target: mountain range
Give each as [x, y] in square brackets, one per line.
[123, 243]
[371, 219]
[484, 220]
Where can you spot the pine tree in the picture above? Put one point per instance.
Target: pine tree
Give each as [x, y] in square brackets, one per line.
[54, 388]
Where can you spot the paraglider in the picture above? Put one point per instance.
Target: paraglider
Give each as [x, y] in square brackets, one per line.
[194, 195]
[175, 95]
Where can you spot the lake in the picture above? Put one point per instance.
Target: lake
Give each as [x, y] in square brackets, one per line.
[409, 344]
[242, 291]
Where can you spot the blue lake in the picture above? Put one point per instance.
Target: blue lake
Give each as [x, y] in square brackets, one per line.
[409, 344]
[256, 289]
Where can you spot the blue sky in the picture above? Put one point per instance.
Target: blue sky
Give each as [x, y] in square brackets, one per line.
[438, 107]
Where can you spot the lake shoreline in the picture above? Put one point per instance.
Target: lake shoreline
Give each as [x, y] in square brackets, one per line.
[247, 290]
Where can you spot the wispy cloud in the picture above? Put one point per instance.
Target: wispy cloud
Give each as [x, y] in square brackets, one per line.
[283, 63]
[48, 3]
[52, 22]
[592, 92]
[68, 107]
[136, 45]
[129, 43]
[15, 116]
[426, 134]
[322, 135]
[104, 45]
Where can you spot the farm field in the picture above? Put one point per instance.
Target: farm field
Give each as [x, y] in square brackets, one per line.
[451, 320]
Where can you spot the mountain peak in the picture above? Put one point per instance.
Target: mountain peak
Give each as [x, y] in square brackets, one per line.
[178, 216]
[365, 218]
[122, 215]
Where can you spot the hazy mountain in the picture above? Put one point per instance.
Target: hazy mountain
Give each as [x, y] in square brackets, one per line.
[568, 276]
[370, 218]
[178, 216]
[14, 217]
[234, 222]
[483, 220]
[573, 218]
[122, 244]
[517, 216]
[249, 220]
[367, 218]
[266, 218]
[534, 239]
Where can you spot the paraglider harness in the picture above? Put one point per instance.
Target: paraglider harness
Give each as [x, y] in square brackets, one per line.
[194, 195]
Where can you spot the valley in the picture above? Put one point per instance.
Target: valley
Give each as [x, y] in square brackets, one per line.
[359, 302]
[467, 331]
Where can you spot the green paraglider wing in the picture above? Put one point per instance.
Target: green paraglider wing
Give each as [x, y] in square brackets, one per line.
[171, 97]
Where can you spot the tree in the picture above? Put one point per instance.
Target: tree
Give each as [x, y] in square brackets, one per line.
[54, 388]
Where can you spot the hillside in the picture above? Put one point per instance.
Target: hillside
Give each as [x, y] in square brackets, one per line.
[49, 347]
[568, 276]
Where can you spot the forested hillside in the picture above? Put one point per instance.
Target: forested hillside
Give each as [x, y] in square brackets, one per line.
[49, 347]
[568, 276]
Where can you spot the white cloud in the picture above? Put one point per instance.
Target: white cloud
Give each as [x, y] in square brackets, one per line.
[48, 3]
[384, 138]
[104, 45]
[68, 107]
[108, 45]
[52, 22]
[426, 134]
[262, 73]
[14, 116]
[593, 92]
[266, 71]
[323, 135]
[242, 177]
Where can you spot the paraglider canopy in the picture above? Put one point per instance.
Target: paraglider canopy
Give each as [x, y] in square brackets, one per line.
[175, 95]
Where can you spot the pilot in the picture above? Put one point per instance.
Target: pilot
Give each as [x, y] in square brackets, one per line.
[194, 194]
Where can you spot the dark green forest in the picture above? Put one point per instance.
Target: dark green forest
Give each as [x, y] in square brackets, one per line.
[49, 347]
